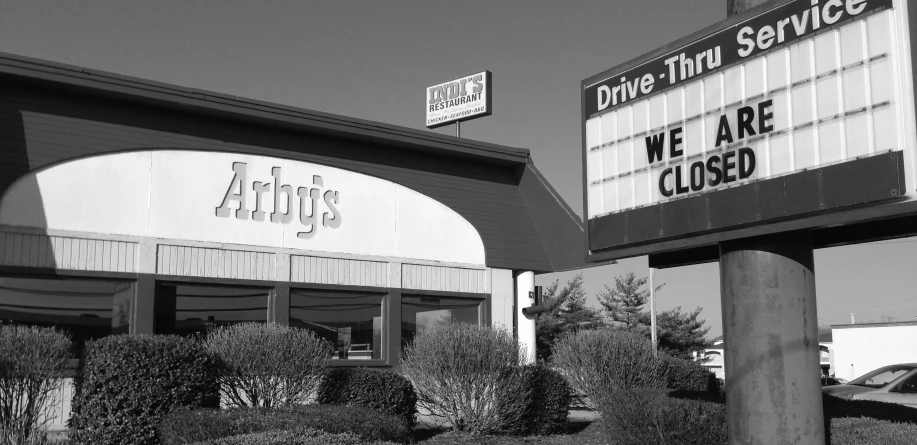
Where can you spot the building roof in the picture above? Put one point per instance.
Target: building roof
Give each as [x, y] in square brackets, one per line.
[875, 325]
[524, 223]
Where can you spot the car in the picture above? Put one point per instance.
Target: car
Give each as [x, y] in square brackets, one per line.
[892, 384]
[832, 381]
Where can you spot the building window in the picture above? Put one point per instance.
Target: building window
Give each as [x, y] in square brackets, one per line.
[422, 312]
[85, 309]
[190, 309]
[351, 321]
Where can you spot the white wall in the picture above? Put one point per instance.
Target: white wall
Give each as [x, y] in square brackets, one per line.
[859, 349]
[175, 194]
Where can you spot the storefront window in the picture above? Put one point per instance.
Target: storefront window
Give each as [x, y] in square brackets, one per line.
[190, 309]
[421, 312]
[351, 321]
[86, 309]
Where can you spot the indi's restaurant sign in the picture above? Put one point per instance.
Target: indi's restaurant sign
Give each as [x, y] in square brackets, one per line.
[799, 86]
[458, 100]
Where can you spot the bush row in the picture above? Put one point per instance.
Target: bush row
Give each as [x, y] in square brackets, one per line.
[127, 384]
[625, 382]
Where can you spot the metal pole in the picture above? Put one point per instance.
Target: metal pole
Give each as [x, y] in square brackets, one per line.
[458, 129]
[770, 327]
[653, 309]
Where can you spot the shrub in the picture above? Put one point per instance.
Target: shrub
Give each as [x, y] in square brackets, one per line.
[468, 376]
[836, 407]
[32, 363]
[267, 364]
[686, 375]
[380, 390]
[595, 362]
[290, 437]
[128, 383]
[652, 416]
[865, 431]
[190, 426]
[549, 405]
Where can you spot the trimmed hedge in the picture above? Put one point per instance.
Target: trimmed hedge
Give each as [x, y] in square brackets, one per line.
[686, 375]
[865, 431]
[636, 416]
[189, 426]
[291, 437]
[380, 390]
[128, 383]
[547, 411]
[836, 407]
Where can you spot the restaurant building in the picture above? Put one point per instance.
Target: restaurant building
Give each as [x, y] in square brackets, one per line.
[131, 206]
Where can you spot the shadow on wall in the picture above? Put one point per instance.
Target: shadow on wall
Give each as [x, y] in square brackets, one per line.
[21, 247]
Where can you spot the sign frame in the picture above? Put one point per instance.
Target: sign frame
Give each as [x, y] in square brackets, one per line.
[487, 100]
[832, 228]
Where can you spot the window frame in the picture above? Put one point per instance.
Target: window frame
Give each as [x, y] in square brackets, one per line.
[173, 280]
[387, 359]
[484, 304]
[37, 273]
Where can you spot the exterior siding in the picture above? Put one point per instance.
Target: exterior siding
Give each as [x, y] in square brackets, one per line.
[216, 263]
[447, 279]
[312, 269]
[59, 252]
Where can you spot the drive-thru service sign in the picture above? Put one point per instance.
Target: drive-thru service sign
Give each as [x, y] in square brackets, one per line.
[803, 109]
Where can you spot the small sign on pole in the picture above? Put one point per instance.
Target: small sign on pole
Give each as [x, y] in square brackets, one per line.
[461, 99]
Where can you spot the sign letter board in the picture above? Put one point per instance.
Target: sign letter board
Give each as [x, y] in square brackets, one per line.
[790, 112]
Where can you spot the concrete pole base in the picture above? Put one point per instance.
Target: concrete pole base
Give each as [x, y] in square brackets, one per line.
[770, 328]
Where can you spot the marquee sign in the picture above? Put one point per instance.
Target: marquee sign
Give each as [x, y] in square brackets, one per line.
[798, 108]
[458, 100]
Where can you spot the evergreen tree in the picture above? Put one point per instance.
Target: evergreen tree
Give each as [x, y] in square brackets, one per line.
[678, 333]
[567, 311]
[624, 303]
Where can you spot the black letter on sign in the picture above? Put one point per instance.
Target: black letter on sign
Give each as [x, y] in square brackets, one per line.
[764, 117]
[654, 147]
[723, 133]
[674, 141]
[714, 170]
[697, 176]
[746, 117]
[679, 188]
[662, 189]
[746, 168]
[727, 178]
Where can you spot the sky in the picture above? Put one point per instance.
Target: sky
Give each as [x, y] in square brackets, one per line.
[372, 60]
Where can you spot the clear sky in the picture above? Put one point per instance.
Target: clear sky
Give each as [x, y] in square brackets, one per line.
[372, 60]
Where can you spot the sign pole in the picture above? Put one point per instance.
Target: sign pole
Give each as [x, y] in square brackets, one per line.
[653, 309]
[770, 328]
